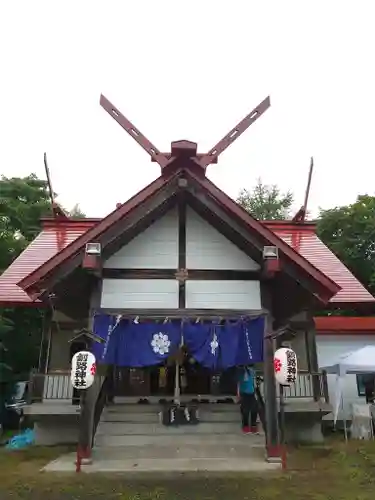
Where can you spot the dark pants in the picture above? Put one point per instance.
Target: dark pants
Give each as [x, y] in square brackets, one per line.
[249, 408]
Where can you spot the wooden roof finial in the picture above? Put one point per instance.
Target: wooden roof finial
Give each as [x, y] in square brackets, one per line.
[183, 153]
[57, 211]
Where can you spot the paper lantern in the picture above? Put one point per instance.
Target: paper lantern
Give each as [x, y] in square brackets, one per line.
[83, 370]
[285, 366]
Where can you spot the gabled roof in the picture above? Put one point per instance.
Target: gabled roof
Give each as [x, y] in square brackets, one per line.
[325, 288]
[61, 239]
[54, 236]
[303, 238]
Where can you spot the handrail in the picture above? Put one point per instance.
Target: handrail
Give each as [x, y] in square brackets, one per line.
[100, 404]
[57, 386]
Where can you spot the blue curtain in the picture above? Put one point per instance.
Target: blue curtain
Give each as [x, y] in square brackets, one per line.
[105, 327]
[217, 347]
[145, 344]
[213, 346]
[250, 344]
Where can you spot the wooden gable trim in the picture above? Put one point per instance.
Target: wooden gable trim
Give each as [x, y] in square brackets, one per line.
[220, 204]
[94, 233]
[216, 205]
[331, 288]
[248, 240]
[137, 221]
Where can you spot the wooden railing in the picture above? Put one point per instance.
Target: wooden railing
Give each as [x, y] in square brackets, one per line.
[54, 386]
[309, 385]
[58, 387]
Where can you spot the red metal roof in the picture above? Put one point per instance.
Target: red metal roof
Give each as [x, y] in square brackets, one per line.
[303, 239]
[345, 324]
[54, 237]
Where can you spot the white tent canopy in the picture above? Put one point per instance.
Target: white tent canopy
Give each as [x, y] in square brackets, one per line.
[356, 362]
[360, 361]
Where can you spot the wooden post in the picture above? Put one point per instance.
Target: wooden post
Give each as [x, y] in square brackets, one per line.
[86, 424]
[312, 359]
[270, 396]
[86, 420]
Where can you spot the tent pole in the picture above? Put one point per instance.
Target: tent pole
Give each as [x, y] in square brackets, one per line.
[344, 418]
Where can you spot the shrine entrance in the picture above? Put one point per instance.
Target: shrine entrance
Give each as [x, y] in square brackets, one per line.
[160, 381]
[186, 359]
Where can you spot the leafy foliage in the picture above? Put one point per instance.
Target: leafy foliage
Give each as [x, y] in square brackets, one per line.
[23, 202]
[76, 212]
[266, 202]
[349, 231]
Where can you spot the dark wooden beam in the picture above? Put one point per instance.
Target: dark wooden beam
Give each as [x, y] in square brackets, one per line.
[192, 274]
[182, 250]
[130, 226]
[252, 244]
[183, 313]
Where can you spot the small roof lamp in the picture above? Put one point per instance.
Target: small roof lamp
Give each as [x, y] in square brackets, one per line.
[271, 261]
[92, 259]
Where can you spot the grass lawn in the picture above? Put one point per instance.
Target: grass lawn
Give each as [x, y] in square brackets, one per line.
[336, 471]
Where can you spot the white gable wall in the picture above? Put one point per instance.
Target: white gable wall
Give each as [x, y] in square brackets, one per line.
[139, 294]
[155, 248]
[207, 248]
[220, 294]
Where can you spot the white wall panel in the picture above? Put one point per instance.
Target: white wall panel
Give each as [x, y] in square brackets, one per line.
[331, 347]
[207, 248]
[220, 294]
[155, 248]
[142, 294]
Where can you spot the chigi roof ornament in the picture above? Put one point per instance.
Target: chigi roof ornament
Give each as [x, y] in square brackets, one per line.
[185, 152]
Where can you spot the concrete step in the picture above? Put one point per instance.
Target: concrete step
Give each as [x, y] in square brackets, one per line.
[165, 465]
[146, 428]
[130, 417]
[179, 440]
[150, 408]
[217, 450]
[154, 417]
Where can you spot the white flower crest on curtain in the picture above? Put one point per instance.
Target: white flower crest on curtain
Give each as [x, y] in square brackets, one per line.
[160, 343]
[214, 345]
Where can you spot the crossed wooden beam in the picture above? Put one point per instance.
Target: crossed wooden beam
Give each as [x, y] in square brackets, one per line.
[187, 148]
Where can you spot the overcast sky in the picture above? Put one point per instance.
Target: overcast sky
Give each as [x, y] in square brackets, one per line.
[189, 70]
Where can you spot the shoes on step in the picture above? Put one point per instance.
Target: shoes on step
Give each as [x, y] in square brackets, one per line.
[254, 430]
[246, 429]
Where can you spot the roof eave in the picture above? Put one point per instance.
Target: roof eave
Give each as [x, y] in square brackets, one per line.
[30, 282]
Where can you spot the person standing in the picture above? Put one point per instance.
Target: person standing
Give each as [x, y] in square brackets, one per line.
[248, 402]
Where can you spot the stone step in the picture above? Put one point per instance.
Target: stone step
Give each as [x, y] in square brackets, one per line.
[165, 465]
[179, 440]
[217, 450]
[151, 408]
[130, 417]
[154, 416]
[146, 428]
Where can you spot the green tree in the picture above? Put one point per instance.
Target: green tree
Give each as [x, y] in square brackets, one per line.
[23, 202]
[349, 231]
[76, 212]
[266, 202]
